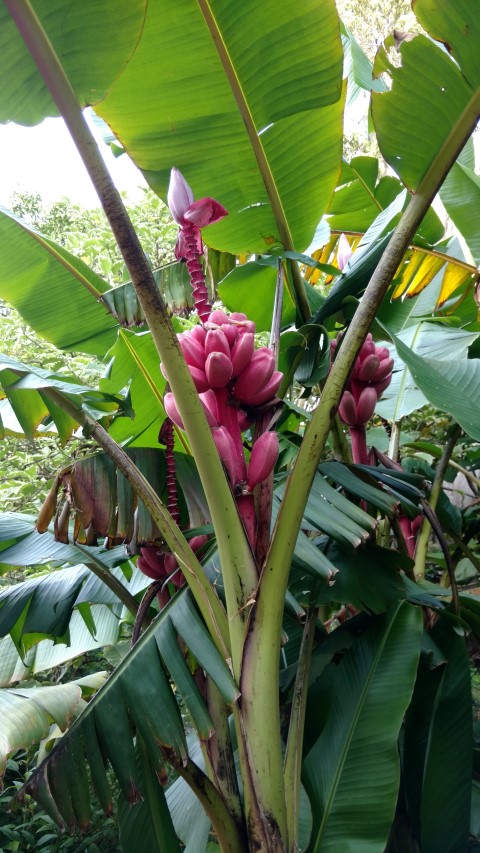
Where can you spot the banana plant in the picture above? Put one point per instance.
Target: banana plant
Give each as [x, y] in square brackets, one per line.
[301, 648]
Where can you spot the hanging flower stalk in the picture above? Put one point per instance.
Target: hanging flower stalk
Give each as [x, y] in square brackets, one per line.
[235, 381]
[191, 216]
[153, 562]
[371, 375]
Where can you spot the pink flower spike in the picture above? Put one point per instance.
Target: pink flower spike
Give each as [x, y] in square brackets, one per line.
[179, 197]
[205, 212]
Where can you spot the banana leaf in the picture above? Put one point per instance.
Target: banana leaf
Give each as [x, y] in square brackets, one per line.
[136, 705]
[352, 772]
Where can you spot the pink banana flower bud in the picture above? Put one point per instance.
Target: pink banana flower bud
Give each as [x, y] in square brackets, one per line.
[348, 409]
[255, 375]
[268, 391]
[179, 197]
[263, 458]
[366, 405]
[205, 212]
[226, 450]
[218, 369]
[368, 368]
[171, 409]
[184, 208]
[216, 341]
[242, 352]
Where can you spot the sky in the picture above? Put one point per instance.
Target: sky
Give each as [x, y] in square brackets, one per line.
[44, 159]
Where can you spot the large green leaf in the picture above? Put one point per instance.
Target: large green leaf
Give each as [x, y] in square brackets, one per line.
[352, 772]
[437, 755]
[34, 266]
[137, 702]
[27, 712]
[251, 288]
[451, 386]
[29, 388]
[429, 341]
[92, 54]
[360, 196]
[138, 832]
[56, 606]
[224, 106]
[431, 88]
[135, 366]
[460, 194]
[49, 654]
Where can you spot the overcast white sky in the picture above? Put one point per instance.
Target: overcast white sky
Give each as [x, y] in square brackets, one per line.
[44, 159]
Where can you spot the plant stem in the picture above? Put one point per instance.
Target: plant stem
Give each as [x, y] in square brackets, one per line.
[293, 755]
[220, 752]
[425, 530]
[145, 603]
[239, 571]
[358, 437]
[229, 834]
[110, 580]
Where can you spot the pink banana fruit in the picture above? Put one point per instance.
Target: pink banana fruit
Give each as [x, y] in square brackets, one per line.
[255, 375]
[226, 450]
[146, 569]
[262, 459]
[197, 542]
[218, 317]
[218, 370]
[210, 404]
[193, 350]
[368, 368]
[170, 407]
[242, 352]
[366, 405]
[199, 379]
[348, 409]
[268, 391]
[216, 341]
[382, 386]
[231, 333]
[385, 369]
